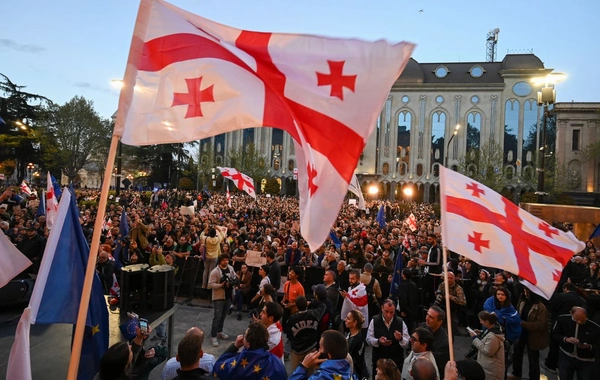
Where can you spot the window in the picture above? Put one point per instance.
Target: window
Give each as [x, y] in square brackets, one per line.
[476, 71]
[575, 142]
[441, 71]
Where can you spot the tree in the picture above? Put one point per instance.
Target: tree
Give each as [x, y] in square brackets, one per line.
[272, 186]
[20, 138]
[485, 165]
[79, 132]
[248, 160]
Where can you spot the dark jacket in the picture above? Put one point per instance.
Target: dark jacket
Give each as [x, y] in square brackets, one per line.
[562, 303]
[275, 274]
[589, 332]
[303, 330]
[535, 325]
[440, 346]
[194, 374]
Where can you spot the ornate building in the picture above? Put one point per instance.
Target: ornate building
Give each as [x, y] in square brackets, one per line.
[578, 127]
[489, 101]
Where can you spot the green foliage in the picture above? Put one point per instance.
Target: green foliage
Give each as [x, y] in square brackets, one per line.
[272, 186]
[186, 183]
[484, 165]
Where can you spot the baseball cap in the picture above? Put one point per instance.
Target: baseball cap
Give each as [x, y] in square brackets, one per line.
[320, 290]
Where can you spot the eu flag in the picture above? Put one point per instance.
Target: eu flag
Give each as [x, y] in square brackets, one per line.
[381, 216]
[56, 185]
[397, 277]
[596, 232]
[42, 206]
[61, 291]
[335, 239]
[256, 364]
[123, 231]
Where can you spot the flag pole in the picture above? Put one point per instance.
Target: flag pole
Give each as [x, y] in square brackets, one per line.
[91, 266]
[447, 297]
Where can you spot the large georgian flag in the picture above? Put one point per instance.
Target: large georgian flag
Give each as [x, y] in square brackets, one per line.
[489, 229]
[189, 78]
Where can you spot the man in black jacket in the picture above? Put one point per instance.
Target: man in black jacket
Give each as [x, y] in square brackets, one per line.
[189, 353]
[274, 270]
[578, 337]
[434, 320]
[302, 328]
[388, 336]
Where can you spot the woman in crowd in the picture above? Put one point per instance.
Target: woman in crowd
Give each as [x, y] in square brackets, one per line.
[480, 291]
[490, 346]
[505, 312]
[243, 290]
[534, 335]
[387, 370]
[356, 343]
[263, 272]
[592, 276]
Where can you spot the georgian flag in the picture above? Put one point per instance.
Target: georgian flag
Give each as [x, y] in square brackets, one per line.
[240, 180]
[189, 78]
[487, 228]
[25, 188]
[412, 222]
[51, 203]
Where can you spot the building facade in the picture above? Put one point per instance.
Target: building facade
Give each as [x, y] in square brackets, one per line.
[578, 128]
[488, 101]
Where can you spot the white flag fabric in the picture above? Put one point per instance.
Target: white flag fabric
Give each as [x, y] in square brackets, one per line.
[489, 229]
[228, 197]
[240, 180]
[412, 222]
[51, 203]
[19, 361]
[13, 261]
[189, 78]
[355, 189]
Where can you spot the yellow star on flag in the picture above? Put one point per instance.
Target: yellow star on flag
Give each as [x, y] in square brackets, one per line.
[266, 378]
[95, 329]
[233, 363]
[223, 365]
[244, 362]
[337, 376]
[257, 368]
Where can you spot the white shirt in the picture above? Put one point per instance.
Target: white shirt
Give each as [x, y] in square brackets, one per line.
[207, 362]
[411, 358]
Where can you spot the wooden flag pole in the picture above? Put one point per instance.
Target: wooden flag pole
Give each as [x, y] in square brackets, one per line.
[91, 266]
[447, 297]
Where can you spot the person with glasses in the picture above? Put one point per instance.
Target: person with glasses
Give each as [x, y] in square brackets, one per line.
[421, 342]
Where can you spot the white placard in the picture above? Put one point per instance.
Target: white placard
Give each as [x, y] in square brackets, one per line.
[254, 259]
[352, 202]
[189, 210]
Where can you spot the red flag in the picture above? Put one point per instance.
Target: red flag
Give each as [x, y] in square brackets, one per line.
[489, 229]
[25, 188]
[190, 78]
[51, 203]
[240, 180]
[228, 197]
[412, 222]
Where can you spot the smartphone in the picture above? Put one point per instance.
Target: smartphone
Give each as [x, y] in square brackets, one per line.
[471, 330]
[144, 326]
[323, 356]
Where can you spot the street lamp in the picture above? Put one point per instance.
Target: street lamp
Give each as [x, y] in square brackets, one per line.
[448, 146]
[408, 191]
[373, 190]
[30, 167]
[545, 97]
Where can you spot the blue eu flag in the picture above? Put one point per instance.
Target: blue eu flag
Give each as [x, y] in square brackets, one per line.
[64, 285]
[381, 217]
[397, 277]
[335, 239]
[123, 231]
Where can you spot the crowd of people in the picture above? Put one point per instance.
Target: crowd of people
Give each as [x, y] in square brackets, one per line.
[321, 310]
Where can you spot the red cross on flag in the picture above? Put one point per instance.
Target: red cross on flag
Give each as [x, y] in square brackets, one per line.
[189, 78]
[489, 229]
[51, 203]
[240, 180]
[412, 222]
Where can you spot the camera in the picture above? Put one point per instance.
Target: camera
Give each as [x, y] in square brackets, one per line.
[230, 281]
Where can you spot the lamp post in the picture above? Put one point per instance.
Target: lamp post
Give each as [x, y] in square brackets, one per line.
[408, 191]
[30, 167]
[454, 133]
[373, 190]
[546, 96]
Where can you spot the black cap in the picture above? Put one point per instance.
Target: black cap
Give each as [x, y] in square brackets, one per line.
[320, 290]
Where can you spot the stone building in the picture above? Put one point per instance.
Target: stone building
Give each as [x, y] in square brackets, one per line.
[487, 100]
[578, 127]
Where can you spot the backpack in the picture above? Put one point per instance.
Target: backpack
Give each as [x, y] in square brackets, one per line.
[372, 299]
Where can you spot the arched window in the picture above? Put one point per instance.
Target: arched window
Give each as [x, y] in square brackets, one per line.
[530, 121]
[386, 169]
[291, 165]
[419, 170]
[511, 130]
[403, 141]
[438, 136]
[473, 133]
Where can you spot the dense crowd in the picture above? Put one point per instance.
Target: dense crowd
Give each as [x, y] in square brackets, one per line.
[322, 310]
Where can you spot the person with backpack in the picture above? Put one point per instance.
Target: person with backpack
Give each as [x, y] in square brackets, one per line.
[490, 346]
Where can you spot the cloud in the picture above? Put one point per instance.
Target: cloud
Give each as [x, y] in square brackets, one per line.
[91, 86]
[82, 84]
[26, 48]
